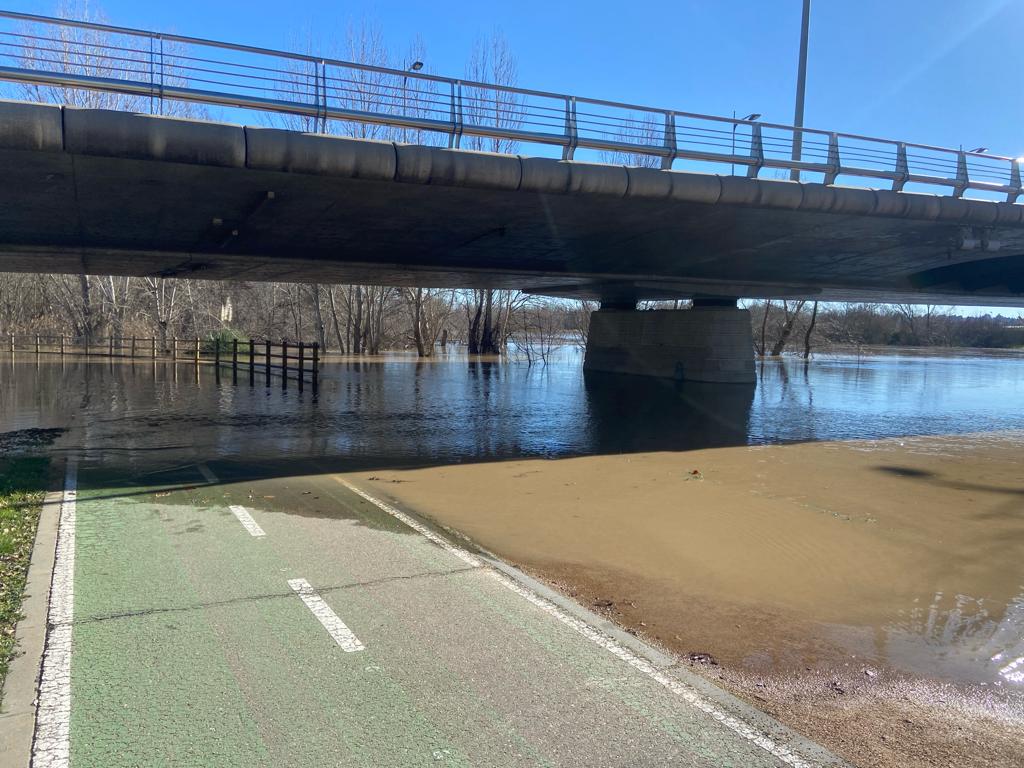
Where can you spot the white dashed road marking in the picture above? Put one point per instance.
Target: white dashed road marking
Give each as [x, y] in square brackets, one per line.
[52, 746]
[681, 689]
[246, 520]
[335, 627]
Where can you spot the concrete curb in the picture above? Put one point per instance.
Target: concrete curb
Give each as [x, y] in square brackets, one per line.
[17, 720]
[783, 735]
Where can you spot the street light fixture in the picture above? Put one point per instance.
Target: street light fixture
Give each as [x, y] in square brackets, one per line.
[415, 66]
[735, 124]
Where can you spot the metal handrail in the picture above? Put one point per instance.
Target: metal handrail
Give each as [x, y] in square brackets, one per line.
[170, 68]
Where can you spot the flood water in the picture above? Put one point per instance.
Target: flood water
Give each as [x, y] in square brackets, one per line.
[399, 411]
[396, 412]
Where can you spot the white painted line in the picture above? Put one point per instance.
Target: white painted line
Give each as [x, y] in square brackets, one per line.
[208, 476]
[681, 689]
[417, 526]
[335, 627]
[52, 745]
[246, 520]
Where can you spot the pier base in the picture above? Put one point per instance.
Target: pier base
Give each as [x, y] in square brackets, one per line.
[711, 343]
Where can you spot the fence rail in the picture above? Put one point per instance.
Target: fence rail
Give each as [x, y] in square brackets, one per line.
[167, 70]
[258, 358]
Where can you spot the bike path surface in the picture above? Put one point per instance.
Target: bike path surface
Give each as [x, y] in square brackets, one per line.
[194, 643]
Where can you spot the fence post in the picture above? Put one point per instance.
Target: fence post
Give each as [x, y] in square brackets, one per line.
[284, 364]
[197, 353]
[302, 364]
[152, 347]
[252, 362]
[12, 343]
[37, 343]
[216, 357]
[174, 348]
[234, 361]
[266, 370]
[316, 366]
[110, 346]
[85, 341]
[133, 347]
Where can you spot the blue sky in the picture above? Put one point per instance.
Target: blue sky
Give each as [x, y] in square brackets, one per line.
[929, 71]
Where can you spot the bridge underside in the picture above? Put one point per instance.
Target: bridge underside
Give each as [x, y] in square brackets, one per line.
[114, 193]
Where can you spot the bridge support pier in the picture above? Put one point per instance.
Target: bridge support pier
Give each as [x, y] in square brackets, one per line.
[711, 342]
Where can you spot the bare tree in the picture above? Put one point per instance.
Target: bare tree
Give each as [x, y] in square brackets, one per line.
[492, 61]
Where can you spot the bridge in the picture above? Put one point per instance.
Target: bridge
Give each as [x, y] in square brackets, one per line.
[617, 202]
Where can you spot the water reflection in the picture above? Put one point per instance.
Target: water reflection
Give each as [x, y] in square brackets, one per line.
[396, 410]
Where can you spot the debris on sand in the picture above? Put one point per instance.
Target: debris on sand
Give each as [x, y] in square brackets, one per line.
[702, 657]
[694, 474]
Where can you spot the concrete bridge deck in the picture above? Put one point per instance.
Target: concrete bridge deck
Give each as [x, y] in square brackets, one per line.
[117, 193]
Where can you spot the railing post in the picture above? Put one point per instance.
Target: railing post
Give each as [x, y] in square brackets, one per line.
[216, 357]
[670, 141]
[756, 151]
[302, 364]
[152, 347]
[316, 366]
[902, 168]
[110, 346]
[834, 163]
[571, 131]
[252, 362]
[234, 361]
[174, 348]
[133, 347]
[1011, 197]
[266, 366]
[37, 343]
[85, 342]
[284, 364]
[197, 353]
[455, 139]
[962, 177]
[62, 345]
[12, 343]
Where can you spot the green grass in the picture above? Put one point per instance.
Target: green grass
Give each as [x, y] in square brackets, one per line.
[22, 487]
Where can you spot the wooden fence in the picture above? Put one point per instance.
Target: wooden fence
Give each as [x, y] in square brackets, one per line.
[257, 359]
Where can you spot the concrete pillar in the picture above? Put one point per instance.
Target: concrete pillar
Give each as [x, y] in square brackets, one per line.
[711, 342]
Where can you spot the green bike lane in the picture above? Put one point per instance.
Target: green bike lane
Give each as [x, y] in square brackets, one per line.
[190, 647]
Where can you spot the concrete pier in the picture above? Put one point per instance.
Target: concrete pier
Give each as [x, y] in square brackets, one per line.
[711, 343]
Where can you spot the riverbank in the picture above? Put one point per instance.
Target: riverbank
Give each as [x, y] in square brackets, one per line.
[867, 593]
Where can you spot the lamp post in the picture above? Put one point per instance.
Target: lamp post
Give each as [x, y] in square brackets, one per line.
[735, 125]
[801, 82]
[415, 66]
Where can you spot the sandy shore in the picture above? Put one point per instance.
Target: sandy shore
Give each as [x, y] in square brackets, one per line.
[869, 594]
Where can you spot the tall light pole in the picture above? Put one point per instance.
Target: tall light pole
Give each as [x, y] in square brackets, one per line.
[801, 83]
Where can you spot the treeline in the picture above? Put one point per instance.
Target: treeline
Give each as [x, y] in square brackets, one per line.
[349, 319]
[800, 327]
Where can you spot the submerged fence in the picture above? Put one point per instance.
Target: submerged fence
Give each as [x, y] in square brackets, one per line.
[258, 359]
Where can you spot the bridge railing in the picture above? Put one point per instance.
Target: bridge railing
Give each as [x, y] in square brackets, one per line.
[65, 61]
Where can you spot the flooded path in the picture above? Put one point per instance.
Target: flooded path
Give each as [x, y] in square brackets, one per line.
[840, 545]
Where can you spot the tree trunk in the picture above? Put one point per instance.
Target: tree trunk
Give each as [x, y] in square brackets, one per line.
[787, 327]
[810, 330]
[334, 320]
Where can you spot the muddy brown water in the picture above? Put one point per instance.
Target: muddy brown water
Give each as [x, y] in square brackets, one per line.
[837, 532]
